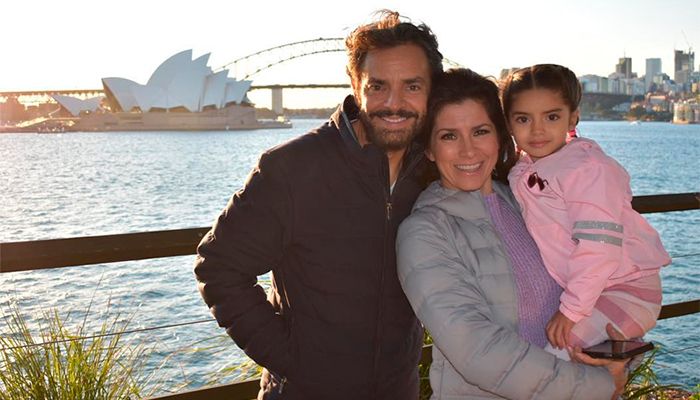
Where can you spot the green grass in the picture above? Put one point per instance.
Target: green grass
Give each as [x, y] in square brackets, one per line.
[59, 363]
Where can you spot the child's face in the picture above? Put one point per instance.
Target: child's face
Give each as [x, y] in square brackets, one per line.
[539, 121]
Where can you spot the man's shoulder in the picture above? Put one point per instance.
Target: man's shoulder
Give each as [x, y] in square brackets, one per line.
[308, 143]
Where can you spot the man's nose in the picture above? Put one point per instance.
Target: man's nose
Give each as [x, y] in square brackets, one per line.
[394, 99]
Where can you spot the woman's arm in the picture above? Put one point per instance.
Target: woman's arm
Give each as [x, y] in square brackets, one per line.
[444, 293]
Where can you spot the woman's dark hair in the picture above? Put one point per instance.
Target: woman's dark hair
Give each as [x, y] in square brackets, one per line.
[457, 85]
[542, 76]
[387, 32]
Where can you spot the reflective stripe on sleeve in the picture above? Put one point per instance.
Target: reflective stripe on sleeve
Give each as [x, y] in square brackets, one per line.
[598, 237]
[603, 225]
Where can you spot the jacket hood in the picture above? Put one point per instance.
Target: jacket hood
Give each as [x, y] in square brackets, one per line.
[466, 205]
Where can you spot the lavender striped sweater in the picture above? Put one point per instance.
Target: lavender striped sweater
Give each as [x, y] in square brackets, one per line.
[538, 294]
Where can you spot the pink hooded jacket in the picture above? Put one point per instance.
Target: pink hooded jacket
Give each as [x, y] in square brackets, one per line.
[577, 206]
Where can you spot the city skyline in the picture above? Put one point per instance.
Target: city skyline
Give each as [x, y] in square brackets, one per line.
[48, 45]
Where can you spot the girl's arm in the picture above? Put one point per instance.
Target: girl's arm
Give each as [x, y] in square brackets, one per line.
[444, 292]
[595, 195]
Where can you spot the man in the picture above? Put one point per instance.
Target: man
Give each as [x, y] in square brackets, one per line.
[322, 212]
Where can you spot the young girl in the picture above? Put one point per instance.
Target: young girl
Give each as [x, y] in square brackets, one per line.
[576, 202]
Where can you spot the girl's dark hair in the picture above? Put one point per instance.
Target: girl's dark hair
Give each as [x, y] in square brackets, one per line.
[387, 32]
[542, 76]
[457, 85]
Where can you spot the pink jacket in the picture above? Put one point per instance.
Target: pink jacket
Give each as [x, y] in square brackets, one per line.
[577, 206]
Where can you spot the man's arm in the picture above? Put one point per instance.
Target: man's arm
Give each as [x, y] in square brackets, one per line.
[247, 241]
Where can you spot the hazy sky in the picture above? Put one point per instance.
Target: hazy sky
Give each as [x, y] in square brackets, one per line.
[48, 44]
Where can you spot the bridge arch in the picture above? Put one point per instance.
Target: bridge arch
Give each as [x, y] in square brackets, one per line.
[246, 67]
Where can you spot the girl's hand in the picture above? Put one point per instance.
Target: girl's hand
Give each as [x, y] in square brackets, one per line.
[558, 330]
[615, 367]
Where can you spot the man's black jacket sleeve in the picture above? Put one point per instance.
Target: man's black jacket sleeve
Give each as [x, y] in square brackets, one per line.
[248, 240]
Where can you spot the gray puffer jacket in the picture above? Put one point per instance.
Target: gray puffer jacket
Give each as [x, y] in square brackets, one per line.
[458, 278]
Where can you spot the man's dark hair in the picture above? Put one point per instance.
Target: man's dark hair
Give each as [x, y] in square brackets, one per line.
[387, 32]
[457, 85]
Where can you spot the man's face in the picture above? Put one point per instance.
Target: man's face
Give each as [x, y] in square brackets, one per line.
[392, 92]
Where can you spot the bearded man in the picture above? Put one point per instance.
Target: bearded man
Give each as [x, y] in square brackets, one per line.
[321, 212]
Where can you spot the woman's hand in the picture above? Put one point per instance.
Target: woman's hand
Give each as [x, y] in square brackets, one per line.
[558, 330]
[617, 369]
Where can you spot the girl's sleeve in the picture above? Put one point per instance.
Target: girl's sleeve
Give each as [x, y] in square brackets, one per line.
[446, 297]
[596, 194]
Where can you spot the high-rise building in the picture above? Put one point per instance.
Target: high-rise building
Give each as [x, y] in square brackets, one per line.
[684, 65]
[653, 69]
[624, 67]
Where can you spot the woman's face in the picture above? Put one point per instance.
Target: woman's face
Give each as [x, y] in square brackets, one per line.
[464, 147]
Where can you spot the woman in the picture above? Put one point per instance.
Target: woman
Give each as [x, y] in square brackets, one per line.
[471, 271]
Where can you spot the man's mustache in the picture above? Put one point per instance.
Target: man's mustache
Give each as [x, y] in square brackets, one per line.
[389, 113]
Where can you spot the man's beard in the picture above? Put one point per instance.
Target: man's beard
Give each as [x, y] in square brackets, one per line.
[391, 140]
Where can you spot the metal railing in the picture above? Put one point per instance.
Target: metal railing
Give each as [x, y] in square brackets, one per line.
[57, 253]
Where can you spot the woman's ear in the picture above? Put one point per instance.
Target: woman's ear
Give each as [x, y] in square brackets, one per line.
[429, 155]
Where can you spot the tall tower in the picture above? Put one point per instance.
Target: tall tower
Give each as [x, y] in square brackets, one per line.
[653, 69]
[684, 64]
[624, 67]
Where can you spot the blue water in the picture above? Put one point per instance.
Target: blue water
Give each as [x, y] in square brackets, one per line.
[82, 184]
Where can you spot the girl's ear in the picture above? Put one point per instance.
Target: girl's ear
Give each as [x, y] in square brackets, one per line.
[573, 120]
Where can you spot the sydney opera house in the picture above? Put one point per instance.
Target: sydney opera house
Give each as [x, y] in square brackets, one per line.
[181, 94]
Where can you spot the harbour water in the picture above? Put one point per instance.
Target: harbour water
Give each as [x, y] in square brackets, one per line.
[84, 184]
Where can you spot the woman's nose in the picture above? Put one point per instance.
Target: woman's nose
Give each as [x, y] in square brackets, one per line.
[466, 148]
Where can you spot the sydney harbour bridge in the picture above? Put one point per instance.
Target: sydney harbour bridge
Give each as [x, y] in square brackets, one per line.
[249, 66]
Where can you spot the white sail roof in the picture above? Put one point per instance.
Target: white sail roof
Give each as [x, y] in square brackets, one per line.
[178, 82]
[75, 105]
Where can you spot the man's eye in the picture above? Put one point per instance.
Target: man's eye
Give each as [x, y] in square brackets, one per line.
[414, 88]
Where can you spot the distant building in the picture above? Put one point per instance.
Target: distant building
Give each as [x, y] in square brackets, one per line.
[594, 84]
[624, 67]
[683, 66]
[653, 69]
[181, 94]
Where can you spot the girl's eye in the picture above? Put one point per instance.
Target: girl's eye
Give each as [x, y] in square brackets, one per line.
[521, 119]
[553, 117]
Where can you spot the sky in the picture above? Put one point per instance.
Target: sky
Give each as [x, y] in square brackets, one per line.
[48, 44]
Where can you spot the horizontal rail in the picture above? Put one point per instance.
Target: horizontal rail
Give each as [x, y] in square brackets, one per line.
[56, 253]
[666, 202]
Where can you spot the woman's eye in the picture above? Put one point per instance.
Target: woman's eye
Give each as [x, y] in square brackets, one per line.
[448, 136]
[481, 132]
